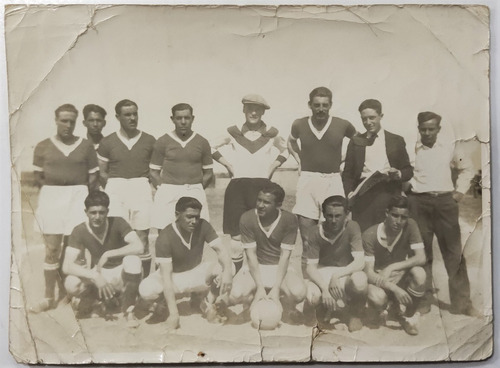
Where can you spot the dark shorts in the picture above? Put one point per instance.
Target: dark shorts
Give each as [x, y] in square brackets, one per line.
[241, 196]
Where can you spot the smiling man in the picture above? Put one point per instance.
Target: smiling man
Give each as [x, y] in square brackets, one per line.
[335, 262]
[181, 166]
[65, 168]
[124, 158]
[113, 268]
[94, 119]
[376, 151]
[394, 256]
[319, 156]
[268, 235]
[251, 153]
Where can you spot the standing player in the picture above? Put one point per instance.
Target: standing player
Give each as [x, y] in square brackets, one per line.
[434, 202]
[94, 119]
[65, 168]
[375, 151]
[335, 262]
[181, 166]
[394, 254]
[254, 152]
[268, 235]
[114, 269]
[124, 158]
[319, 157]
[179, 251]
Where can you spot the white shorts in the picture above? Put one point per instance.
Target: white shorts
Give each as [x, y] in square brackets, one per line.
[60, 208]
[267, 274]
[166, 198]
[194, 280]
[131, 199]
[312, 189]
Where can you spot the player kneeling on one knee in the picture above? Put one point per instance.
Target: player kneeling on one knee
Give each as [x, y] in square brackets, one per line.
[394, 254]
[268, 235]
[113, 272]
[335, 260]
[179, 251]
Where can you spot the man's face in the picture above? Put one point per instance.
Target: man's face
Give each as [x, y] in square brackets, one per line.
[320, 107]
[97, 216]
[396, 219]
[253, 113]
[128, 118]
[188, 219]
[183, 121]
[429, 131]
[371, 120]
[266, 205]
[94, 123]
[65, 123]
[334, 218]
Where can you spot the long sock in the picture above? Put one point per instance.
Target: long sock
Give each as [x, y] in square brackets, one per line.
[130, 289]
[51, 274]
[237, 254]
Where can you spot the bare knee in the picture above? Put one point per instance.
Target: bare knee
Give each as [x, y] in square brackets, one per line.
[149, 290]
[313, 294]
[74, 285]
[132, 265]
[418, 275]
[377, 297]
[357, 283]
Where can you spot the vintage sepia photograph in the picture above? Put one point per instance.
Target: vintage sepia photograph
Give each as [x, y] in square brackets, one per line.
[248, 184]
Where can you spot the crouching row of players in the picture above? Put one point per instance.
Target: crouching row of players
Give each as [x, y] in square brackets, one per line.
[345, 271]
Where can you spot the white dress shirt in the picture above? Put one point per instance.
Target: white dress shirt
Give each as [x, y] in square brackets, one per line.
[376, 157]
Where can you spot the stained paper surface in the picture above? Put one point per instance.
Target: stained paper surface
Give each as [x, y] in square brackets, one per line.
[411, 58]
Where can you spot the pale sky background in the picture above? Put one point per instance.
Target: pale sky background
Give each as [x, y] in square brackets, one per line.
[419, 76]
[411, 59]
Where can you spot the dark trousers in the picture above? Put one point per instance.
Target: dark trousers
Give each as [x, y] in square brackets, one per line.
[369, 209]
[439, 215]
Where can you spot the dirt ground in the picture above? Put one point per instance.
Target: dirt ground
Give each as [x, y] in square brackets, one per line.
[59, 337]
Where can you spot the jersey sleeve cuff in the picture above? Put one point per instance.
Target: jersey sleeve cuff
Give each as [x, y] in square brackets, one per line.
[154, 167]
[369, 258]
[94, 170]
[214, 242]
[249, 245]
[417, 246]
[216, 155]
[287, 246]
[206, 167]
[312, 260]
[164, 260]
[37, 168]
[102, 158]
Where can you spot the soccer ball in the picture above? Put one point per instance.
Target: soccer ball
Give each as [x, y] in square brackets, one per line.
[266, 314]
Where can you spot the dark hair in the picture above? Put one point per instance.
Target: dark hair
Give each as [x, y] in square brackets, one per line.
[123, 103]
[321, 92]
[96, 198]
[335, 201]
[187, 202]
[66, 107]
[371, 104]
[428, 115]
[180, 107]
[93, 108]
[397, 201]
[276, 190]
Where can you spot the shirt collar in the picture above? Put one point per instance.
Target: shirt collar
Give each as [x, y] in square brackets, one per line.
[382, 237]
[273, 225]
[94, 234]
[177, 231]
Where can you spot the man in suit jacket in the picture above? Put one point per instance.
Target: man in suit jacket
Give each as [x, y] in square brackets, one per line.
[375, 150]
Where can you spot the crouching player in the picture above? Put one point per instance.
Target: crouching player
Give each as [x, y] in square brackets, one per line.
[112, 275]
[179, 251]
[394, 254]
[268, 235]
[335, 260]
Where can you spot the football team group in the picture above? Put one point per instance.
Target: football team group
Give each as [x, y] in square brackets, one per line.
[125, 219]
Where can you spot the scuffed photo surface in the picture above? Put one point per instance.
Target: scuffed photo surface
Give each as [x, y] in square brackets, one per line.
[411, 58]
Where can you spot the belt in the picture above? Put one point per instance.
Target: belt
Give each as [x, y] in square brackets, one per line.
[433, 194]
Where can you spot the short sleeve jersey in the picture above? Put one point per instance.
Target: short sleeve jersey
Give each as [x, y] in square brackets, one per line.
[83, 238]
[282, 234]
[321, 151]
[181, 162]
[127, 159]
[184, 256]
[64, 164]
[337, 252]
[376, 246]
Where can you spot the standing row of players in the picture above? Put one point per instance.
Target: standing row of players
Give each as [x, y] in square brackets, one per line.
[179, 165]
